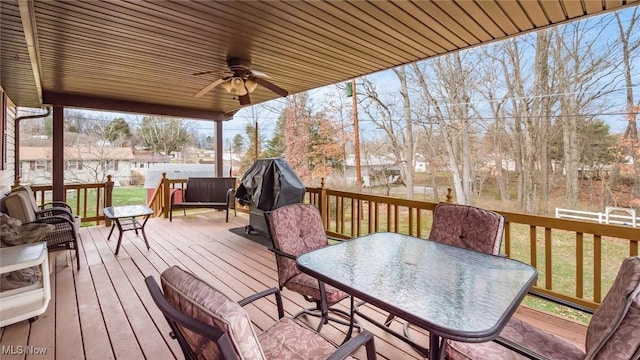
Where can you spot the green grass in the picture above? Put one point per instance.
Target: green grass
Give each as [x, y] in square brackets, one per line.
[129, 195]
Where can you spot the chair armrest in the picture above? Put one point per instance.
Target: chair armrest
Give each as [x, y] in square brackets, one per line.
[59, 204]
[62, 224]
[231, 193]
[345, 350]
[261, 294]
[55, 211]
[281, 253]
[173, 194]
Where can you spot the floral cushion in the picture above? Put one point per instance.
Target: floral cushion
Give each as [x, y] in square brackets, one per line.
[199, 300]
[521, 333]
[295, 229]
[467, 227]
[288, 340]
[614, 330]
[308, 285]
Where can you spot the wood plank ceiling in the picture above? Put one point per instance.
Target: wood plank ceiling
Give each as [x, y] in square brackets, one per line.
[141, 55]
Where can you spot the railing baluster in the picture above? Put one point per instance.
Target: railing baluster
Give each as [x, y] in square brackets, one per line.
[376, 224]
[507, 238]
[354, 218]
[633, 248]
[579, 265]
[419, 222]
[533, 248]
[410, 216]
[548, 261]
[389, 207]
[597, 268]
[396, 219]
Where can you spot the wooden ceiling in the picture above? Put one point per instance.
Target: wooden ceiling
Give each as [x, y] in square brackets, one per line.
[141, 55]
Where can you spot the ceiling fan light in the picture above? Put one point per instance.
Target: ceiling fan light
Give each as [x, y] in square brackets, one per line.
[227, 85]
[250, 85]
[241, 91]
[237, 83]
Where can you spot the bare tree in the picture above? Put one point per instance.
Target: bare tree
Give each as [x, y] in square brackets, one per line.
[448, 102]
[629, 144]
[583, 66]
[395, 120]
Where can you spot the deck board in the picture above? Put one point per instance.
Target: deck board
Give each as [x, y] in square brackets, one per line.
[104, 311]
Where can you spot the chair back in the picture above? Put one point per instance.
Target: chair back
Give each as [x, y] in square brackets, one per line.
[467, 227]
[614, 329]
[27, 190]
[206, 323]
[208, 189]
[18, 205]
[294, 229]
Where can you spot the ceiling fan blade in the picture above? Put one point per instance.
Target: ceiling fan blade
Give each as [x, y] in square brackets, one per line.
[244, 99]
[208, 88]
[259, 74]
[269, 85]
[203, 72]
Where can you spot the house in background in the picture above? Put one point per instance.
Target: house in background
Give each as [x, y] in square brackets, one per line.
[375, 170]
[147, 160]
[83, 164]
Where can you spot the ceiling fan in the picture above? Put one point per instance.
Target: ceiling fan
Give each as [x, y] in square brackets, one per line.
[242, 81]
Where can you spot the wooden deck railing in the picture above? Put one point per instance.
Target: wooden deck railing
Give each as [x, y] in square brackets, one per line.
[577, 261]
[159, 201]
[86, 200]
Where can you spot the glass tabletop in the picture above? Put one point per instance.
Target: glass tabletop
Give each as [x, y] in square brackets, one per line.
[117, 212]
[456, 293]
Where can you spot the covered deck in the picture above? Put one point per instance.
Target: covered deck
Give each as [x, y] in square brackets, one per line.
[104, 311]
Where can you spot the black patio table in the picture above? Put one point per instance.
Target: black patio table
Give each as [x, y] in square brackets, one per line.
[451, 292]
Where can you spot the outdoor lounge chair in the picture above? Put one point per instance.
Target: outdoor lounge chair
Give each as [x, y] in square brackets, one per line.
[49, 208]
[209, 325]
[296, 229]
[613, 332]
[18, 204]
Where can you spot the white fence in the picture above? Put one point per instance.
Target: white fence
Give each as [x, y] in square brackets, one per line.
[612, 215]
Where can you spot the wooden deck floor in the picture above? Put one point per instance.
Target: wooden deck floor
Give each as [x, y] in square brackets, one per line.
[104, 310]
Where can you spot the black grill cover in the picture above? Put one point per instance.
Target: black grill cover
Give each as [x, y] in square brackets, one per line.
[270, 184]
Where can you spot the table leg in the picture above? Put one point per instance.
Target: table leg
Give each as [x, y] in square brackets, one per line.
[117, 221]
[435, 352]
[351, 322]
[113, 225]
[135, 227]
[144, 235]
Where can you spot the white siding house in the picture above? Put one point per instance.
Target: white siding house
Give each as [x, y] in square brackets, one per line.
[81, 165]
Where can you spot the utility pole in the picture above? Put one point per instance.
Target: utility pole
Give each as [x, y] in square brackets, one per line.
[253, 111]
[356, 135]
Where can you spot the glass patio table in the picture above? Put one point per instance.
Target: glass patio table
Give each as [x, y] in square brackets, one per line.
[451, 292]
[124, 218]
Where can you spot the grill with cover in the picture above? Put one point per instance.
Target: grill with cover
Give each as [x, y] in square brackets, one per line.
[267, 185]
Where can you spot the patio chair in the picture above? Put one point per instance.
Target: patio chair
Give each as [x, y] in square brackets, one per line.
[612, 334]
[209, 325]
[296, 229]
[64, 237]
[50, 208]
